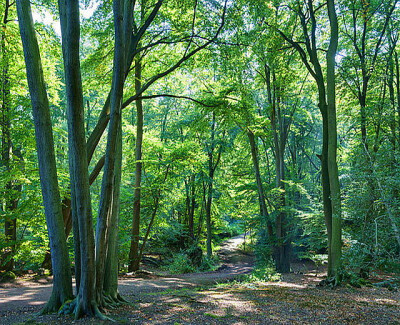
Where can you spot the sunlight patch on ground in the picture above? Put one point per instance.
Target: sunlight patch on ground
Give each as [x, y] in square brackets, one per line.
[388, 302]
[284, 284]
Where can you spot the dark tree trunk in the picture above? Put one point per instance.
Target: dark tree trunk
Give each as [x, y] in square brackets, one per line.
[260, 188]
[336, 237]
[62, 284]
[279, 129]
[108, 208]
[110, 287]
[213, 162]
[11, 200]
[310, 59]
[192, 206]
[134, 261]
[80, 188]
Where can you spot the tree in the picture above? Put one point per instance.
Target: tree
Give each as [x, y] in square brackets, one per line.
[307, 48]
[62, 284]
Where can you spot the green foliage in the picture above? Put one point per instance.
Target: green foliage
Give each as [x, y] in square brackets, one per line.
[263, 273]
[180, 263]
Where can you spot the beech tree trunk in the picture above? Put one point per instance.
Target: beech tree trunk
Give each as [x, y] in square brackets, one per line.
[260, 188]
[62, 283]
[134, 261]
[109, 204]
[110, 286]
[80, 188]
[336, 237]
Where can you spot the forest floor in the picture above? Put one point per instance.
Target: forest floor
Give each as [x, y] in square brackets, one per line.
[212, 298]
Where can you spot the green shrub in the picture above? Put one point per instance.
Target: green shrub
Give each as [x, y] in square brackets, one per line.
[263, 273]
[8, 275]
[209, 264]
[180, 263]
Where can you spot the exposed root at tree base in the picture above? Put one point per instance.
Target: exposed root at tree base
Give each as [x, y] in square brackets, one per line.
[53, 305]
[80, 309]
[331, 282]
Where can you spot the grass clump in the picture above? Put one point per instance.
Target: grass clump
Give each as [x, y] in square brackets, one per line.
[262, 273]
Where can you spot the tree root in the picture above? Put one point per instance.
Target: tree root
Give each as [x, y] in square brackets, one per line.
[54, 304]
[79, 309]
[331, 282]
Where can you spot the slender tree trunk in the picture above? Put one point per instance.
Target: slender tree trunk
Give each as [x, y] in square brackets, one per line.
[11, 201]
[260, 188]
[336, 238]
[396, 60]
[192, 205]
[111, 268]
[134, 249]
[211, 169]
[80, 188]
[208, 216]
[122, 10]
[62, 284]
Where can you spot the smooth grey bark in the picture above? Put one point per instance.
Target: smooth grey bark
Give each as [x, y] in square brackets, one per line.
[110, 286]
[191, 203]
[62, 283]
[122, 10]
[131, 52]
[80, 188]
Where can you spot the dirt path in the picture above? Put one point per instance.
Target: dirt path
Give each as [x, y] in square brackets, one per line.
[26, 297]
[197, 299]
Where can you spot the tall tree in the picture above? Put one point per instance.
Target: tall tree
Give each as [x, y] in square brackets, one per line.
[62, 284]
[308, 48]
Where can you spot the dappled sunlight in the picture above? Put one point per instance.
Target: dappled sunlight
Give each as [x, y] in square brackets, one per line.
[30, 297]
[285, 284]
[375, 300]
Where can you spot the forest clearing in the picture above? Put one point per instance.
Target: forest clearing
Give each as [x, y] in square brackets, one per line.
[200, 161]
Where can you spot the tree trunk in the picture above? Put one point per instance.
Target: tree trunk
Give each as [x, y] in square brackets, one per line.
[11, 200]
[260, 188]
[282, 245]
[211, 169]
[134, 249]
[62, 284]
[336, 237]
[192, 206]
[111, 268]
[80, 188]
[122, 9]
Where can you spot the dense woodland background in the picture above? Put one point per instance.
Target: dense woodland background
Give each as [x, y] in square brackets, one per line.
[221, 129]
